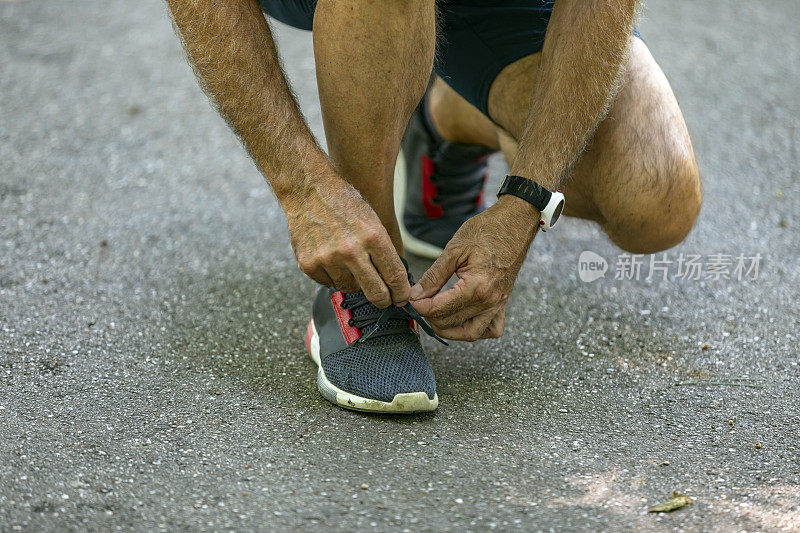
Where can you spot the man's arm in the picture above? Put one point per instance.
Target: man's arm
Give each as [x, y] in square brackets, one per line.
[583, 53]
[335, 234]
[231, 49]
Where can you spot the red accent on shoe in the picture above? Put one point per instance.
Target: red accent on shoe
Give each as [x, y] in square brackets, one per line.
[429, 190]
[413, 325]
[309, 334]
[351, 334]
[479, 198]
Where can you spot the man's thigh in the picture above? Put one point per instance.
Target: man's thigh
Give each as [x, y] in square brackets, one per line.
[477, 38]
[638, 176]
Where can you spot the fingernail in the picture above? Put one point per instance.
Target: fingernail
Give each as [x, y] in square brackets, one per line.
[416, 292]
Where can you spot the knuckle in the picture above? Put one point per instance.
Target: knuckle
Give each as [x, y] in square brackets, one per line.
[402, 295]
[346, 283]
[325, 256]
[371, 236]
[306, 264]
[382, 302]
[313, 270]
[348, 249]
[322, 280]
[397, 278]
[484, 293]
[379, 296]
[404, 289]
[352, 287]
[498, 330]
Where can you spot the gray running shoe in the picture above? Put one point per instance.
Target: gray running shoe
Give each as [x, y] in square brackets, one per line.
[438, 185]
[370, 359]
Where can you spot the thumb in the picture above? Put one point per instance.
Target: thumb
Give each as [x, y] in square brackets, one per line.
[435, 277]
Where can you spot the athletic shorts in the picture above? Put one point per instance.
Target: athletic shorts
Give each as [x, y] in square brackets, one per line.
[477, 39]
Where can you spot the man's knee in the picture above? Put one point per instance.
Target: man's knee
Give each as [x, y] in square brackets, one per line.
[662, 216]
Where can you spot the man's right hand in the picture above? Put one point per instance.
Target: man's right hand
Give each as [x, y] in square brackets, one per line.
[339, 241]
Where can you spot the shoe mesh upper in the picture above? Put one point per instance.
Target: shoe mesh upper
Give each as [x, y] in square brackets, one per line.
[382, 367]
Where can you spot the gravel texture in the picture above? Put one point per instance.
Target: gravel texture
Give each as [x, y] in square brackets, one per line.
[152, 369]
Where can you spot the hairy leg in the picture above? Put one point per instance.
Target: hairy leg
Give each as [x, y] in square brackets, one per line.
[458, 120]
[373, 64]
[637, 177]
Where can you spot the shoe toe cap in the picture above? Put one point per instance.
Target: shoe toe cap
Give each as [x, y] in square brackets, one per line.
[380, 373]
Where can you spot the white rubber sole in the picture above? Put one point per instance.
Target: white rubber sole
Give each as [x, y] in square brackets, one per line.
[410, 243]
[410, 402]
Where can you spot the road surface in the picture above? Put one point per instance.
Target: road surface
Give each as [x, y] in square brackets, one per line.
[152, 369]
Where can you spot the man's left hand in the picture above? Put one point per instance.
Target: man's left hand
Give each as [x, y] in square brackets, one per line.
[486, 254]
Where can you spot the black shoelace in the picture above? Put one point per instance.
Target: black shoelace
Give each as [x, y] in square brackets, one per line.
[376, 321]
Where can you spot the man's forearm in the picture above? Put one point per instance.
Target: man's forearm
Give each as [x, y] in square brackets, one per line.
[231, 48]
[583, 53]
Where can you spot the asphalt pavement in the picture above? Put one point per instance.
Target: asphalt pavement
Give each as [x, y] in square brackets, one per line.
[152, 368]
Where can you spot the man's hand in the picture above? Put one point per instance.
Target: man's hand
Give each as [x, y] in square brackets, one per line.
[339, 241]
[486, 254]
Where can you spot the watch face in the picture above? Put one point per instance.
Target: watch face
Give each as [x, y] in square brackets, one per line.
[556, 213]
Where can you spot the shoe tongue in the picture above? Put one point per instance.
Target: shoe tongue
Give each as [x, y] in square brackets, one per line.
[463, 154]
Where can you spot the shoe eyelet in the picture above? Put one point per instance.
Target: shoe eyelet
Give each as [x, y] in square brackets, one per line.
[350, 322]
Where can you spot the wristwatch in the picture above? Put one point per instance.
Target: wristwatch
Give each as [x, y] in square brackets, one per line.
[549, 203]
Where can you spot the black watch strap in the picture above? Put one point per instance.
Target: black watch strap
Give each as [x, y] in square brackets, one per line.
[528, 190]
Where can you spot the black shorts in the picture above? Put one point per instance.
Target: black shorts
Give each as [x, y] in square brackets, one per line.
[477, 39]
